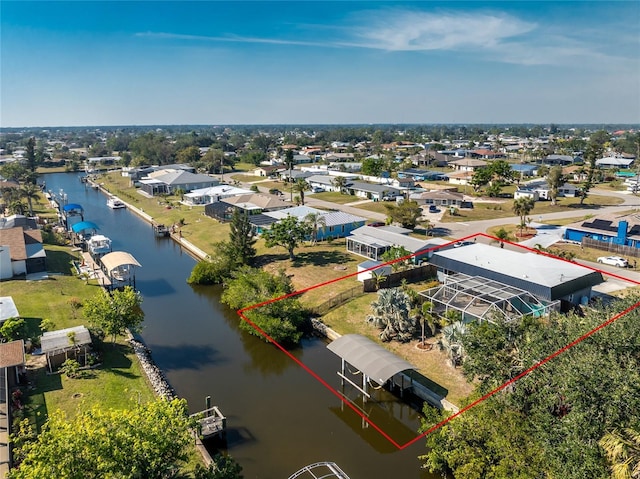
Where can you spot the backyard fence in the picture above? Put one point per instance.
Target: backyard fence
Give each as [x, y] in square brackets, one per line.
[338, 300]
[618, 249]
[393, 280]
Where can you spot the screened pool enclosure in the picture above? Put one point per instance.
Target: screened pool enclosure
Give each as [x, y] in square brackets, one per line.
[481, 299]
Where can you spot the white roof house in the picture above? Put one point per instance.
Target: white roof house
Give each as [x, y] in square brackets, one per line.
[543, 276]
[614, 162]
[202, 196]
[8, 309]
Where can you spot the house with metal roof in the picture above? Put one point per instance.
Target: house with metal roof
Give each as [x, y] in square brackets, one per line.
[203, 196]
[372, 242]
[614, 162]
[372, 191]
[541, 277]
[336, 224]
[251, 204]
[168, 181]
[326, 182]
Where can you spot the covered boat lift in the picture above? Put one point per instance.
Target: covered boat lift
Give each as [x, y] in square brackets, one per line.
[370, 359]
[119, 266]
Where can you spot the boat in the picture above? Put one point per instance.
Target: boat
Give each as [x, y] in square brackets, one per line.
[98, 245]
[115, 203]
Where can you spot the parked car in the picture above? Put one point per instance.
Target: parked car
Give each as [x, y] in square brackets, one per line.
[317, 189]
[376, 223]
[614, 261]
[388, 198]
[433, 209]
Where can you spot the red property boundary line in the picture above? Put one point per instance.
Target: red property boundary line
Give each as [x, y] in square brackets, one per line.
[477, 401]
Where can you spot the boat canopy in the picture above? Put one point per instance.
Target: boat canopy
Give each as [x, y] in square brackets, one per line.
[83, 226]
[116, 259]
[72, 206]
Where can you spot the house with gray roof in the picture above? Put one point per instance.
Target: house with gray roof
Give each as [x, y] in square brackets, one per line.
[336, 224]
[546, 278]
[372, 191]
[168, 181]
[372, 242]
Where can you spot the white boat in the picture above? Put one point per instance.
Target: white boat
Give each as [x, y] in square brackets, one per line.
[98, 245]
[115, 203]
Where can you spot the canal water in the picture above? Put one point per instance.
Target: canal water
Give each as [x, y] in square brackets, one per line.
[279, 417]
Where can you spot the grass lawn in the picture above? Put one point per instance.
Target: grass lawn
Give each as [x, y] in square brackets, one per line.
[375, 206]
[245, 178]
[313, 265]
[335, 197]
[504, 209]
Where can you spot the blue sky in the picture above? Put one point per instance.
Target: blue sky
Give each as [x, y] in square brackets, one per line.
[293, 62]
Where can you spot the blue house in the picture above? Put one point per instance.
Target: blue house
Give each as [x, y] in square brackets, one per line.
[337, 224]
[621, 230]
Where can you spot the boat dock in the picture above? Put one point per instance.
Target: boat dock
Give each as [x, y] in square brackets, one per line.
[93, 270]
[211, 422]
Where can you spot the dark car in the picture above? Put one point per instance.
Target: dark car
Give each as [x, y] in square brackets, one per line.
[433, 209]
[376, 223]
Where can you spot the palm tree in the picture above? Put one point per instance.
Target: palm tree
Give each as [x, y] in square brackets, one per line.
[340, 182]
[318, 222]
[391, 315]
[522, 207]
[300, 186]
[622, 449]
[451, 341]
[379, 277]
[425, 317]
[30, 192]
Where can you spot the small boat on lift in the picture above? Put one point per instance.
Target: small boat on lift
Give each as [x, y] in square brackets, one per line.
[98, 245]
[115, 203]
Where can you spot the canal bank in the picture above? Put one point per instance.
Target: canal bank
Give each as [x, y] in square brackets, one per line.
[279, 417]
[420, 390]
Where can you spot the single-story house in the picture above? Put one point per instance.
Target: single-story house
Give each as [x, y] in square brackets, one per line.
[136, 173]
[168, 181]
[460, 177]
[268, 170]
[372, 191]
[438, 197]
[524, 170]
[203, 196]
[486, 153]
[561, 160]
[403, 182]
[21, 252]
[294, 175]
[12, 361]
[546, 278]
[337, 224]
[252, 204]
[422, 175]
[524, 193]
[14, 221]
[326, 182]
[609, 229]
[614, 162]
[544, 190]
[372, 242]
[467, 164]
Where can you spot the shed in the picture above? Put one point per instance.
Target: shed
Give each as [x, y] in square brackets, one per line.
[60, 345]
[366, 269]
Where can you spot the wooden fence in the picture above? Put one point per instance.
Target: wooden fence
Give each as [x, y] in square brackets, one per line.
[616, 249]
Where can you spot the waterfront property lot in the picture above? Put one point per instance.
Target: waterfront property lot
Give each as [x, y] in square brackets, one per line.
[433, 364]
[117, 383]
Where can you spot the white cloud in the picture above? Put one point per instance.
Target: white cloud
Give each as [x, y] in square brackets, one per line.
[402, 30]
